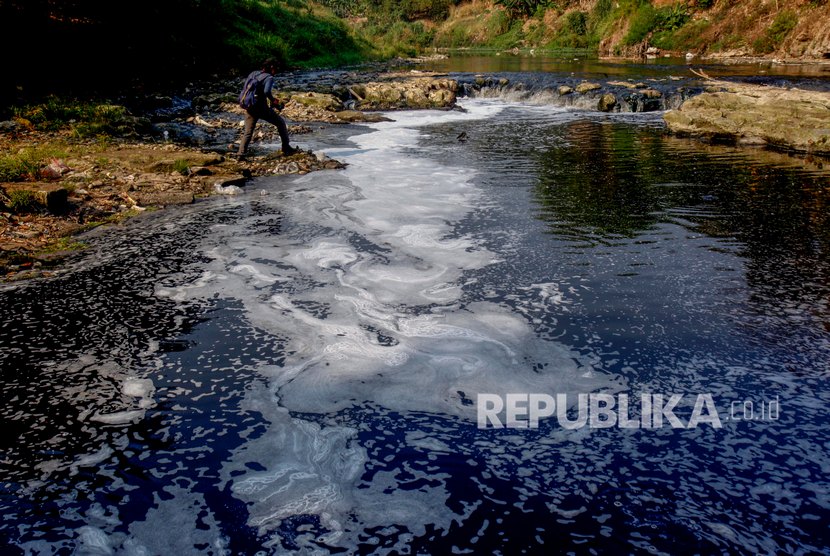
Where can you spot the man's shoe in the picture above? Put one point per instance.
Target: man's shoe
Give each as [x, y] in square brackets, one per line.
[288, 151]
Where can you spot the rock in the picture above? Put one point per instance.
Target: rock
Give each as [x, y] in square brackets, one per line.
[651, 93]
[418, 92]
[193, 160]
[198, 120]
[9, 126]
[318, 100]
[160, 198]
[54, 170]
[626, 84]
[792, 119]
[231, 180]
[607, 102]
[565, 90]
[357, 116]
[27, 234]
[585, 87]
[51, 196]
[299, 112]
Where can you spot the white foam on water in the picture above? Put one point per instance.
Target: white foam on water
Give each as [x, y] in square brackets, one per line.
[364, 284]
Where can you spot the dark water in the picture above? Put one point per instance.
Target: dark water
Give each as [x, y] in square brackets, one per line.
[315, 353]
[588, 66]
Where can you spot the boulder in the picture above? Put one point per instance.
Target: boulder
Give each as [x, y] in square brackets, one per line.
[565, 90]
[607, 102]
[626, 84]
[318, 100]
[298, 112]
[160, 198]
[792, 119]
[418, 92]
[586, 86]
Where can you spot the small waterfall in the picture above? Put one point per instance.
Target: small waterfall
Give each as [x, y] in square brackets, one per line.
[604, 95]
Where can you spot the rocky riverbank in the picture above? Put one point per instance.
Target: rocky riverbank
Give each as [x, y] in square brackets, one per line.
[184, 157]
[783, 118]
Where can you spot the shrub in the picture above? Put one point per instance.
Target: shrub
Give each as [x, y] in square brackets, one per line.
[602, 9]
[647, 20]
[577, 23]
[643, 22]
[86, 119]
[436, 10]
[522, 7]
[777, 32]
[573, 32]
[689, 37]
[181, 166]
[17, 168]
[54, 113]
[21, 201]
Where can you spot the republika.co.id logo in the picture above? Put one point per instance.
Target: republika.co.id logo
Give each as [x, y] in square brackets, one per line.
[600, 411]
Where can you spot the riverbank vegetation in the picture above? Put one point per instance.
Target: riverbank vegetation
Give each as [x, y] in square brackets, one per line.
[783, 28]
[96, 47]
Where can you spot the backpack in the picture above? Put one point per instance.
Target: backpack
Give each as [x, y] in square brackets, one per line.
[252, 89]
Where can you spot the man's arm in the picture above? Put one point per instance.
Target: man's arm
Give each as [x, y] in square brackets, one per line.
[268, 89]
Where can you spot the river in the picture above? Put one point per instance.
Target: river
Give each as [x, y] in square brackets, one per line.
[298, 369]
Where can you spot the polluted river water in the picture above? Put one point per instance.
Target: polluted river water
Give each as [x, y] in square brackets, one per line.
[511, 328]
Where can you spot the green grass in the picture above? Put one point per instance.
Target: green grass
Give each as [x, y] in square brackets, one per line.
[24, 164]
[181, 166]
[482, 30]
[729, 42]
[67, 243]
[83, 118]
[648, 19]
[574, 31]
[21, 201]
[688, 37]
[291, 32]
[398, 38]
